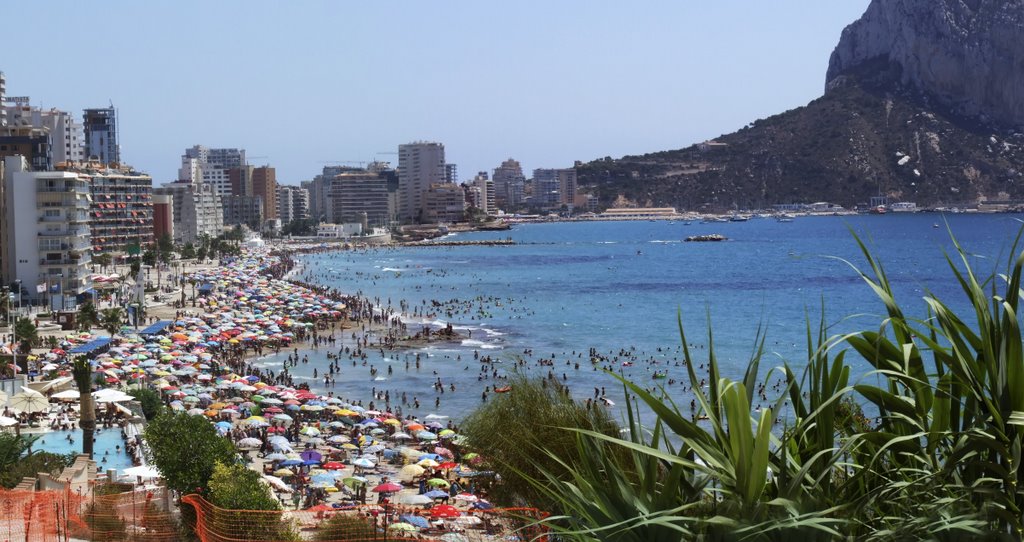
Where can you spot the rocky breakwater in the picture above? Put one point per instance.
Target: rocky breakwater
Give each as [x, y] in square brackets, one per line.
[967, 55]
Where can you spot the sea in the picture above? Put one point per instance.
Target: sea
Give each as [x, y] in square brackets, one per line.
[568, 292]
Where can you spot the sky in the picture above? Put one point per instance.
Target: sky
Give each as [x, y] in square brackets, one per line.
[304, 84]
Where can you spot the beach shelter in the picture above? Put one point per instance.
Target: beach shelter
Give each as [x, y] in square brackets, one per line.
[388, 487]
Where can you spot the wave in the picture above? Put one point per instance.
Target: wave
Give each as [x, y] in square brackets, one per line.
[394, 269]
[473, 343]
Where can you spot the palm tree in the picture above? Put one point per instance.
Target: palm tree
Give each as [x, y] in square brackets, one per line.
[82, 372]
[111, 320]
[87, 316]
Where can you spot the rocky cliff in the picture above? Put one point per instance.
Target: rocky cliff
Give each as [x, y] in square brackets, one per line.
[924, 102]
[966, 54]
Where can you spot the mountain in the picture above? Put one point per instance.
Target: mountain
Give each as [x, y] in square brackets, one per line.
[923, 102]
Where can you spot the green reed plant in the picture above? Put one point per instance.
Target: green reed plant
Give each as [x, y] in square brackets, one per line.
[941, 460]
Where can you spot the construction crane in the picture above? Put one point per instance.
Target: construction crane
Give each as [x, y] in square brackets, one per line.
[335, 162]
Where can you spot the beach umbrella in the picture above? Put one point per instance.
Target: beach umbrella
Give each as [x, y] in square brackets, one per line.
[466, 497]
[418, 521]
[29, 402]
[445, 511]
[283, 472]
[364, 463]
[250, 442]
[276, 456]
[291, 462]
[402, 527]
[278, 484]
[354, 482]
[438, 482]
[428, 463]
[415, 499]
[467, 521]
[409, 472]
[7, 422]
[436, 494]
[388, 487]
[334, 465]
[311, 455]
[66, 394]
[309, 431]
[401, 436]
[426, 435]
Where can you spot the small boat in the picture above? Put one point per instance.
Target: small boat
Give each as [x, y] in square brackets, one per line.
[738, 218]
[935, 226]
[503, 389]
[659, 375]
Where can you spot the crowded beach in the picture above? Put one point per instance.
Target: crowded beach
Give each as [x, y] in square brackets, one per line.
[314, 451]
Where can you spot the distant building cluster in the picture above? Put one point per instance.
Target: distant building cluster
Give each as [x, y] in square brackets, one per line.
[67, 195]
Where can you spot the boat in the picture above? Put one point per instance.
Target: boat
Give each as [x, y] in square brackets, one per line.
[503, 389]
[711, 237]
[659, 375]
[738, 218]
[880, 210]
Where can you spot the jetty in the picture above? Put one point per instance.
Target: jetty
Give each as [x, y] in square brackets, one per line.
[479, 243]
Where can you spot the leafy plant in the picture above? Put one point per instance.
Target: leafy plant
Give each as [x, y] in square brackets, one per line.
[186, 449]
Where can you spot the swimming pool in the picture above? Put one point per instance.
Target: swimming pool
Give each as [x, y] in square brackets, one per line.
[105, 450]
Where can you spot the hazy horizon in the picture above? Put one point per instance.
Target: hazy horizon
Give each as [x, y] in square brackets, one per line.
[314, 82]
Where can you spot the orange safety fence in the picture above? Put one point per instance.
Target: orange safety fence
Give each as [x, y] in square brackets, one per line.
[120, 512]
[363, 523]
[27, 515]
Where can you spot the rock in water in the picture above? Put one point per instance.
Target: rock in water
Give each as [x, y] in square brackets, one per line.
[966, 54]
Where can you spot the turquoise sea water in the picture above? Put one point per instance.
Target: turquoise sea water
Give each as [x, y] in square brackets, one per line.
[569, 287]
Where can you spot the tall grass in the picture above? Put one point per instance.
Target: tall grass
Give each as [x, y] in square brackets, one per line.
[941, 461]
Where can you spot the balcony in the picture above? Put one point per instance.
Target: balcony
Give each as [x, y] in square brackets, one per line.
[70, 232]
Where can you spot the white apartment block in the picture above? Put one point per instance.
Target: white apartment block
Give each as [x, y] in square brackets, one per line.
[196, 210]
[47, 233]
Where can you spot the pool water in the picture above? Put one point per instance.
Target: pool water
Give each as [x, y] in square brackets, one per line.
[105, 450]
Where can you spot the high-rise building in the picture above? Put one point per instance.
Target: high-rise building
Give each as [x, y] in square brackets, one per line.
[66, 136]
[451, 173]
[101, 142]
[3, 98]
[292, 203]
[47, 232]
[420, 165]
[554, 187]
[509, 185]
[163, 215]
[196, 210]
[121, 213]
[202, 164]
[483, 193]
[444, 203]
[264, 186]
[360, 194]
[246, 210]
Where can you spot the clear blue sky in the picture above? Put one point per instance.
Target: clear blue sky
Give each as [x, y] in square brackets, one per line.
[545, 82]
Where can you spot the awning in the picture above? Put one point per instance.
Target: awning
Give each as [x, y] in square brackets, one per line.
[155, 328]
[92, 348]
